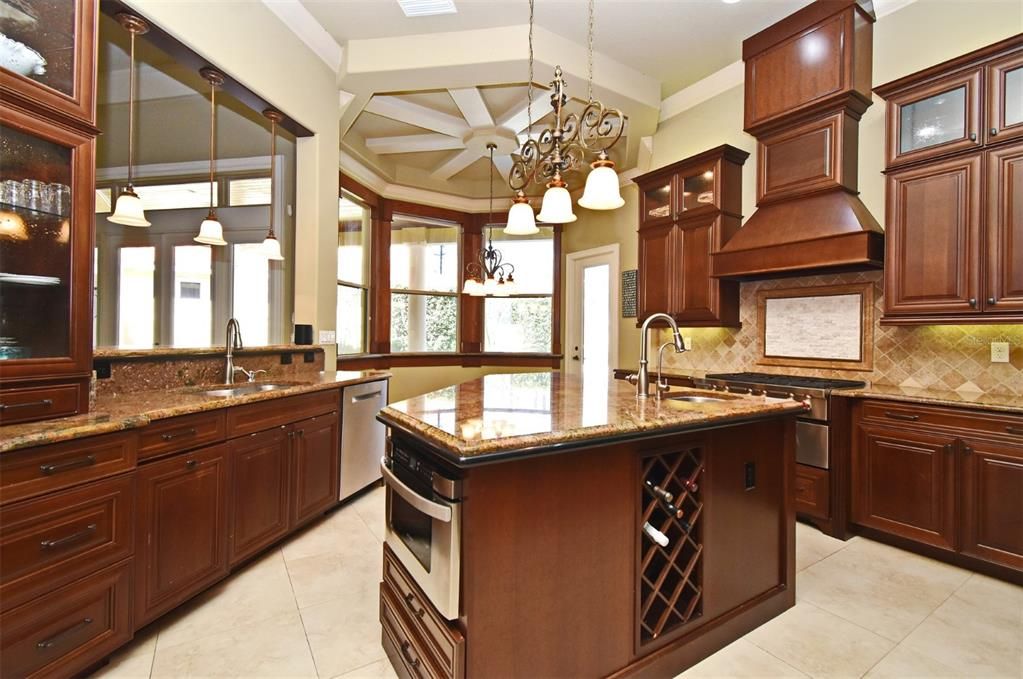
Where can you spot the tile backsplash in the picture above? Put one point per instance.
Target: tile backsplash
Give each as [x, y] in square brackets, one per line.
[953, 357]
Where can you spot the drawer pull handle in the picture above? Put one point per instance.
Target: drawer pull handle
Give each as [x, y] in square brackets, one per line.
[65, 541]
[27, 404]
[177, 435]
[1018, 431]
[49, 469]
[366, 397]
[410, 601]
[405, 651]
[192, 464]
[901, 416]
[59, 636]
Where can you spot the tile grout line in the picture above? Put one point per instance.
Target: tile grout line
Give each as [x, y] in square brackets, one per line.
[301, 618]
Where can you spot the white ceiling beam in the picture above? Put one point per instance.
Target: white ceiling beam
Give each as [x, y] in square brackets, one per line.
[414, 143]
[408, 112]
[503, 164]
[517, 119]
[303, 24]
[456, 164]
[470, 102]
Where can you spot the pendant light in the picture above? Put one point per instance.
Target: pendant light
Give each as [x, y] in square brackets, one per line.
[557, 203]
[272, 246]
[602, 191]
[211, 232]
[490, 275]
[128, 208]
[521, 221]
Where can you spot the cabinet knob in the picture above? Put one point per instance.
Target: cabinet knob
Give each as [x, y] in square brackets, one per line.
[967, 450]
[991, 300]
[994, 131]
[192, 464]
[973, 136]
[973, 302]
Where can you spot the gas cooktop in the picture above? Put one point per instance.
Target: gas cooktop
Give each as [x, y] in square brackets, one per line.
[787, 380]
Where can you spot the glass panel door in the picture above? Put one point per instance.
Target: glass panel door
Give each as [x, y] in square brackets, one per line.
[698, 190]
[136, 294]
[657, 202]
[250, 302]
[1012, 97]
[192, 302]
[35, 252]
[39, 41]
[933, 120]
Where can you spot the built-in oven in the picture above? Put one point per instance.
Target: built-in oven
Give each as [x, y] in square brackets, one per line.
[423, 527]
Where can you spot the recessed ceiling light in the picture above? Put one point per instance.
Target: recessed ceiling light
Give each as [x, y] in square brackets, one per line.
[423, 8]
[729, 2]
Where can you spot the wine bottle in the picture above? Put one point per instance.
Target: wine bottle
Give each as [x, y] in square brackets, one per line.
[655, 535]
[659, 492]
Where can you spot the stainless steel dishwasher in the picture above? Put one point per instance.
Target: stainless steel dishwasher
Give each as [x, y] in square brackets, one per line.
[362, 436]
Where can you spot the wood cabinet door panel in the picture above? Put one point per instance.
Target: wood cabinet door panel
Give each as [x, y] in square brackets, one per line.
[1005, 229]
[315, 467]
[1004, 83]
[932, 254]
[260, 476]
[699, 293]
[903, 483]
[992, 501]
[181, 546]
[657, 270]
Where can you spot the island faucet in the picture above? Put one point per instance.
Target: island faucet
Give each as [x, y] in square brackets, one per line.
[642, 378]
[234, 341]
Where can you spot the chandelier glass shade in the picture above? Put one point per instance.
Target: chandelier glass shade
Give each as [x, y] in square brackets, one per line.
[521, 221]
[490, 275]
[128, 207]
[602, 191]
[211, 231]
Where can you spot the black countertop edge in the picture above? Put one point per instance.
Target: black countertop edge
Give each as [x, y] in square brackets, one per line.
[496, 457]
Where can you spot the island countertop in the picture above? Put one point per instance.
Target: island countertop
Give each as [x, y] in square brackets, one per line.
[117, 412]
[504, 416]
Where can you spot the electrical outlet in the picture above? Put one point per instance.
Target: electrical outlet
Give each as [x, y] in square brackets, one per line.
[688, 341]
[999, 352]
[328, 337]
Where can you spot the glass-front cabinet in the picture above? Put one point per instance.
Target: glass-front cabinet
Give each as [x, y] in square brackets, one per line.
[47, 52]
[657, 202]
[699, 190]
[939, 117]
[1004, 82]
[45, 233]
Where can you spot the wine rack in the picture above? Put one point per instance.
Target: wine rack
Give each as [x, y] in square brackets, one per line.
[670, 576]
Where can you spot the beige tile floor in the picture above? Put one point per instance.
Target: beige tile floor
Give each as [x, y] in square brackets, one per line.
[309, 609]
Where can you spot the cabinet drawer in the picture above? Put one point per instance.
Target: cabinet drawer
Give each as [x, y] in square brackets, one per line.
[68, 630]
[50, 541]
[34, 471]
[39, 403]
[181, 433]
[275, 412]
[403, 648]
[444, 643]
[813, 491]
[893, 412]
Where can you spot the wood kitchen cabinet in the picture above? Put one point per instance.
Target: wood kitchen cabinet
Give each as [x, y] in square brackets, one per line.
[315, 465]
[992, 501]
[260, 497]
[954, 197]
[688, 210]
[181, 539]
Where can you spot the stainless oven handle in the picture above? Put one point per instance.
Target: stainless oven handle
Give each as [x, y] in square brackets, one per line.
[428, 507]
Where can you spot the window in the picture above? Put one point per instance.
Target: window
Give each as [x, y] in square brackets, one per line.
[353, 224]
[193, 304]
[135, 297]
[250, 299]
[522, 322]
[252, 191]
[175, 196]
[424, 284]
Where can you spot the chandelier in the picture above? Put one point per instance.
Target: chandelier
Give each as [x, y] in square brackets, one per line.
[562, 147]
[490, 275]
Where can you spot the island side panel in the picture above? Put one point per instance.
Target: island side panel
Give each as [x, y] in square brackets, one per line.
[549, 564]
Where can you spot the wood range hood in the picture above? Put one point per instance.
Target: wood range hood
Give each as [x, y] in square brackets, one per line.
[807, 84]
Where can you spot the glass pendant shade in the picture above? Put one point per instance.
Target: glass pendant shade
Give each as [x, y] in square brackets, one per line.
[521, 221]
[210, 231]
[602, 191]
[556, 207]
[128, 210]
[272, 248]
[490, 286]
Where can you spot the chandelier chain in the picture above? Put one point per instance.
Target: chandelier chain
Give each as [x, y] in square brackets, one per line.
[490, 215]
[529, 83]
[590, 54]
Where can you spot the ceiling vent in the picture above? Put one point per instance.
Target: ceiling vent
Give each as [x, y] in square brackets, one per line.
[425, 8]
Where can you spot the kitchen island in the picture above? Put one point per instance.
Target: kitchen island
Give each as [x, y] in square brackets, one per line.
[543, 525]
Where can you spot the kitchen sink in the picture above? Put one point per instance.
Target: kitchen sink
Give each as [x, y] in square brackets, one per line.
[694, 399]
[245, 389]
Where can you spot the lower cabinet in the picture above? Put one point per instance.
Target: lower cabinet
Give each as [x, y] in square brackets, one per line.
[316, 467]
[992, 487]
[181, 540]
[260, 476]
[904, 483]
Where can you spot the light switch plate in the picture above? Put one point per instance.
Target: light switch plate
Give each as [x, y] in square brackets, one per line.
[999, 352]
[328, 337]
[688, 341]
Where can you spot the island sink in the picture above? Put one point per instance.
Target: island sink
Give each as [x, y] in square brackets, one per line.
[586, 532]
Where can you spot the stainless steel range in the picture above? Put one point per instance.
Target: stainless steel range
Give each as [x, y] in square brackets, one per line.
[812, 428]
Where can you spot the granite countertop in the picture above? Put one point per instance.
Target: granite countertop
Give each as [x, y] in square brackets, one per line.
[137, 409]
[969, 399]
[178, 352]
[508, 415]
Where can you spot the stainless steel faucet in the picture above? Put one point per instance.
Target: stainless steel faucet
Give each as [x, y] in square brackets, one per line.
[234, 341]
[642, 378]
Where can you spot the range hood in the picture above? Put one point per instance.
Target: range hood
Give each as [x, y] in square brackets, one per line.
[807, 84]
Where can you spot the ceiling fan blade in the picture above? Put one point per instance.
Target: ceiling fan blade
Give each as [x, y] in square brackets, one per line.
[470, 102]
[427, 118]
[413, 143]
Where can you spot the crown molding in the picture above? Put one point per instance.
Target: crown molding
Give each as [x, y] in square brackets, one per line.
[303, 24]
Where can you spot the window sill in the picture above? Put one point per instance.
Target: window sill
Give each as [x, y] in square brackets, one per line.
[466, 360]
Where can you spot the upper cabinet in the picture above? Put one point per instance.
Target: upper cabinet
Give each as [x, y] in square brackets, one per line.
[688, 211]
[954, 199]
[48, 56]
